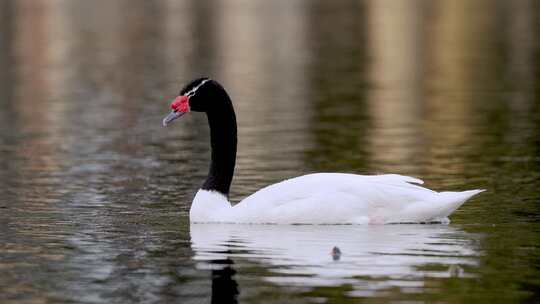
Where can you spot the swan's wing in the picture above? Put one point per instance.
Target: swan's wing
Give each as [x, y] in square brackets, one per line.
[329, 197]
[367, 187]
[347, 198]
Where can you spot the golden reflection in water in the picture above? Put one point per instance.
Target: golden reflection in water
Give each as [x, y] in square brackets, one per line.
[32, 48]
[337, 60]
[178, 38]
[419, 77]
[522, 42]
[455, 69]
[36, 157]
[395, 104]
[36, 112]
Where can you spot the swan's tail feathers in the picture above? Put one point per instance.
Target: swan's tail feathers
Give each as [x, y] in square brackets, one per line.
[453, 200]
[436, 208]
[470, 193]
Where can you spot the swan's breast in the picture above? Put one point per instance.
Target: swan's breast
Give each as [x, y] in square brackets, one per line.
[208, 206]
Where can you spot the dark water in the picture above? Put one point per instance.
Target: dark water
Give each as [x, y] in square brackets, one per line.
[95, 194]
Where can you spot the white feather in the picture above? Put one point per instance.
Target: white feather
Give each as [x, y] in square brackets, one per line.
[333, 198]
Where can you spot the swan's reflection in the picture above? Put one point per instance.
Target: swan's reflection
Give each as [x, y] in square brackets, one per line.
[394, 255]
[224, 287]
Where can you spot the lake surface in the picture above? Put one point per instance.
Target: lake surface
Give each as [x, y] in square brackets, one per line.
[95, 194]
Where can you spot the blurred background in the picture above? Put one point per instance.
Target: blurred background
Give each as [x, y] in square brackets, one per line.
[95, 194]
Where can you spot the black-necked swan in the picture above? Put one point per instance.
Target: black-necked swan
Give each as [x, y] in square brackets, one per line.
[319, 198]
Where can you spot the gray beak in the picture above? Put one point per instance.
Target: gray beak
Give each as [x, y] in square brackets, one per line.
[172, 116]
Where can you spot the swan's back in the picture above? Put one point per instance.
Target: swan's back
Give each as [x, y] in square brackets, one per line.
[337, 198]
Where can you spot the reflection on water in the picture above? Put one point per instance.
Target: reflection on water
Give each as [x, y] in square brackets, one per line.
[94, 194]
[371, 258]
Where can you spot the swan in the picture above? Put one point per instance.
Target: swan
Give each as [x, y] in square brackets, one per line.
[319, 198]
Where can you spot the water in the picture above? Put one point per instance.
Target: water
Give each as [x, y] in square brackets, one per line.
[95, 194]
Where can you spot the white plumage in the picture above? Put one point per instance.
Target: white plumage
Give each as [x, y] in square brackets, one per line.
[333, 198]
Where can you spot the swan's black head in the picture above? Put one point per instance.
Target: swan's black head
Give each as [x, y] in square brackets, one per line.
[199, 95]
[206, 95]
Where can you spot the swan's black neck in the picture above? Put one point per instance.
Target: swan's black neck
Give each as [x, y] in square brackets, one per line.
[223, 138]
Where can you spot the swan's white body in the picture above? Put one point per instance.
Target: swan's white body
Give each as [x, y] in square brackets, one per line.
[333, 198]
